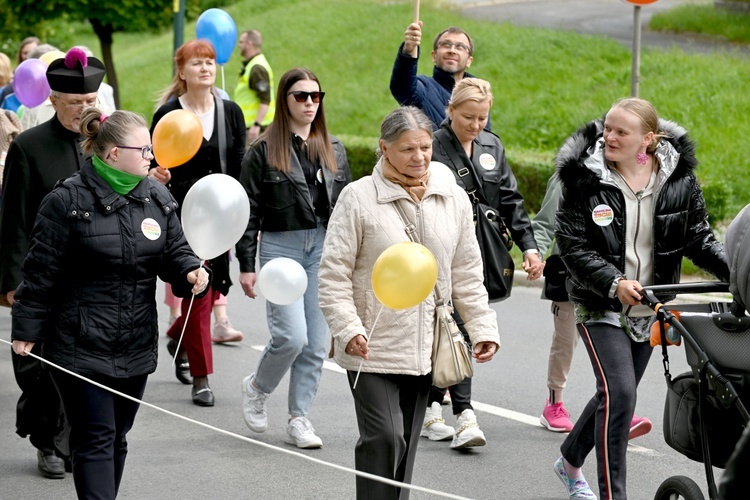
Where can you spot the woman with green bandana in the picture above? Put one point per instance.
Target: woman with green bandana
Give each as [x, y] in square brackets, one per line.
[88, 293]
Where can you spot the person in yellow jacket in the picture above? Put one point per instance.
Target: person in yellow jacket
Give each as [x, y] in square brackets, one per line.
[254, 92]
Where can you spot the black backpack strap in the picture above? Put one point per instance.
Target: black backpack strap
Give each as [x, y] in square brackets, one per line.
[221, 127]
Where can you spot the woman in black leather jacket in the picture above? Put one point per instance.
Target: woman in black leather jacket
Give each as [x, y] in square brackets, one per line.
[631, 209]
[89, 290]
[473, 153]
[293, 174]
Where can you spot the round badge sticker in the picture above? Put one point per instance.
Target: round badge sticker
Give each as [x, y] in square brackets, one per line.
[151, 229]
[319, 176]
[487, 161]
[602, 215]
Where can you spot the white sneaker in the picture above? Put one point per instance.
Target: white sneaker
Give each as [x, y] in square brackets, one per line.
[468, 433]
[254, 405]
[434, 427]
[300, 433]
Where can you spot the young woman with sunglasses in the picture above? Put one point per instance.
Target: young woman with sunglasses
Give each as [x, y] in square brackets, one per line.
[192, 89]
[293, 174]
[89, 290]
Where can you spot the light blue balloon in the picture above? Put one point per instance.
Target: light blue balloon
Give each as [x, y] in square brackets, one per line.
[219, 28]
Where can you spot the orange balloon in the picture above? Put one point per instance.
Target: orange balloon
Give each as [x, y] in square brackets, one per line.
[177, 137]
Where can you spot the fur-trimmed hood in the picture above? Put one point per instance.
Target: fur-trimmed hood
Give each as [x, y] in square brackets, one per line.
[581, 168]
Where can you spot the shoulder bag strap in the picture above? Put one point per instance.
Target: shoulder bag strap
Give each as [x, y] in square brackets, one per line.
[411, 232]
[221, 127]
[465, 174]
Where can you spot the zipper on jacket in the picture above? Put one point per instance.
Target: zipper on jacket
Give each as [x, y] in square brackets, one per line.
[639, 197]
[421, 334]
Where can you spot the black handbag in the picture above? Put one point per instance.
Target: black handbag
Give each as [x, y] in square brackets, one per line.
[494, 238]
[555, 273]
[494, 244]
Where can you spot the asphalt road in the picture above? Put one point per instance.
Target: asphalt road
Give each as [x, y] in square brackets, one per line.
[610, 18]
[174, 458]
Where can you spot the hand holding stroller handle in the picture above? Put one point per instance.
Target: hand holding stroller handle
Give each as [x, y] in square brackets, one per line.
[648, 298]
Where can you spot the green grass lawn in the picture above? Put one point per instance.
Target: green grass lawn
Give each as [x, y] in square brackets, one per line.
[704, 19]
[546, 82]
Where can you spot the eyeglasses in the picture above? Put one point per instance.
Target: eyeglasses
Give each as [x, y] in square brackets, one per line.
[301, 95]
[146, 151]
[448, 45]
[79, 104]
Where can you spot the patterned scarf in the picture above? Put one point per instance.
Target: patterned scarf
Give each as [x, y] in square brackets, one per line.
[415, 186]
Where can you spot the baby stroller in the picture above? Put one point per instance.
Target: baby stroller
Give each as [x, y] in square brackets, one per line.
[706, 413]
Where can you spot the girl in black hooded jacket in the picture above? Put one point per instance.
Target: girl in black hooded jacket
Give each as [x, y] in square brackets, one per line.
[631, 209]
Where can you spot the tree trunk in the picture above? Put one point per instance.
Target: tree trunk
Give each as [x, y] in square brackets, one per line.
[104, 32]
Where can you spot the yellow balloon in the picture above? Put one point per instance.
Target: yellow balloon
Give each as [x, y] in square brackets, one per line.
[48, 57]
[177, 137]
[404, 275]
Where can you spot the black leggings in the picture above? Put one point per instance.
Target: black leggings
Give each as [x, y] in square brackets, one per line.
[619, 363]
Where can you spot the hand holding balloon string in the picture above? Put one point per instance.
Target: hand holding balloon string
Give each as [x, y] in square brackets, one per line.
[403, 276]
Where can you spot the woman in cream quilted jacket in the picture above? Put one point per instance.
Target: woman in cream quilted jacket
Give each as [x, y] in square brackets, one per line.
[390, 397]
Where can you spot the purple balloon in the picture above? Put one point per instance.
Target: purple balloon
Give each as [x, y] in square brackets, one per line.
[30, 83]
[218, 27]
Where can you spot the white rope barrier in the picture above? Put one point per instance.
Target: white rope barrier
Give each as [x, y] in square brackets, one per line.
[253, 441]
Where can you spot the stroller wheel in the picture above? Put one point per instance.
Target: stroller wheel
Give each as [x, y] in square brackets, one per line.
[679, 487]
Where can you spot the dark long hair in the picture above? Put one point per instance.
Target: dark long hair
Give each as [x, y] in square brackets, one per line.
[278, 133]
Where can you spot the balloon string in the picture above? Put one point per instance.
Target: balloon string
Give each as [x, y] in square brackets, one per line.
[222, 78]
[184, 325]
[367, 340]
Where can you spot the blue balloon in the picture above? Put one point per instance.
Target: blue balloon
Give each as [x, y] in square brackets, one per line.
[218, 27]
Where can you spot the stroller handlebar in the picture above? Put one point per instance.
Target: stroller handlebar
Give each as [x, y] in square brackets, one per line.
[691, 287]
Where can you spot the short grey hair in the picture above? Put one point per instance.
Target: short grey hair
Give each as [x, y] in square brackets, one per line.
[400, 120]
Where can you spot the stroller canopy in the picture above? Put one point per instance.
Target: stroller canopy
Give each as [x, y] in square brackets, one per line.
[737, 245]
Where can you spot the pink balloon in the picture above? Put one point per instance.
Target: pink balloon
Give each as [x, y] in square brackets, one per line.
[30, 83]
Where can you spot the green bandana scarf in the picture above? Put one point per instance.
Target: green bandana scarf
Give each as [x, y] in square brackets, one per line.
[121, 182]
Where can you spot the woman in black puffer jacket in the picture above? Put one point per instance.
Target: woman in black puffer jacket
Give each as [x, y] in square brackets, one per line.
[88, 292]
[631, 209]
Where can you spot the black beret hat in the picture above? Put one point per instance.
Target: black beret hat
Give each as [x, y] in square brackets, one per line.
[75, 73]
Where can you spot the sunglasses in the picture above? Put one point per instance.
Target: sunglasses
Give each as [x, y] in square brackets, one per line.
[301, 96]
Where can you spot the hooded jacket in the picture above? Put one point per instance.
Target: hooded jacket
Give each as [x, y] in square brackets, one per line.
[593, 247]
[363, 225]
[89, 286]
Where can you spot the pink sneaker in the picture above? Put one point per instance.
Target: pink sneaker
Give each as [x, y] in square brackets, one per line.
[639, 426]
[556, 418]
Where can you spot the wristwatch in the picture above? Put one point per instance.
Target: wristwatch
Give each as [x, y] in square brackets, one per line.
[256, 124]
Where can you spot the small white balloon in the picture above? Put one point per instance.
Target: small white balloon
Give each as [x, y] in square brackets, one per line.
[282, 281]
[215, 213]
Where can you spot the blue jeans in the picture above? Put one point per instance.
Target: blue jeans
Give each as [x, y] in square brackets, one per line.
[299, 330]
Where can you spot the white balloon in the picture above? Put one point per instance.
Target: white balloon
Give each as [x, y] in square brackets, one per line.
[215, 213]
[282, 281]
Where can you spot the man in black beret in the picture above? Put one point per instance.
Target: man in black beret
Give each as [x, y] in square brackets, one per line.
[36, 160]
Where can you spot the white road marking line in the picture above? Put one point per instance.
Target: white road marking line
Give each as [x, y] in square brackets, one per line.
[493, 410]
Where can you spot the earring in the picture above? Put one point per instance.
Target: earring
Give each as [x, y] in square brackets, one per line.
[641, 158]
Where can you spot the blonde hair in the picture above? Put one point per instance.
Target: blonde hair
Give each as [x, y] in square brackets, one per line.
[102, 131]
[647, 115]
[471, 89]
[6, 71]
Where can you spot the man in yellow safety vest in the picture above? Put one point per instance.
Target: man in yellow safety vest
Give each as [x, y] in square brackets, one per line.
[255, 89]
